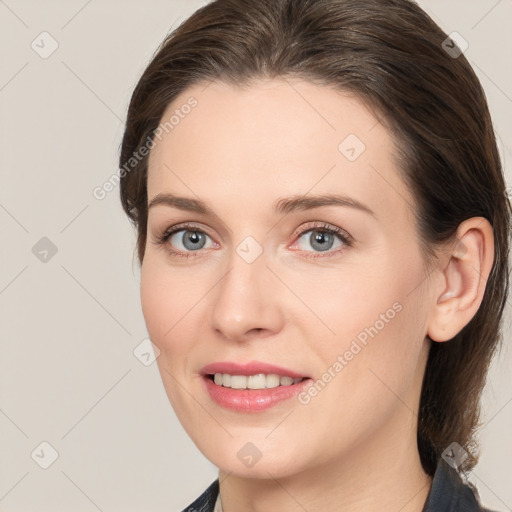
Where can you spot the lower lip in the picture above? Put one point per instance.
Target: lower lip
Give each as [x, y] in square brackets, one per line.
[252, 400]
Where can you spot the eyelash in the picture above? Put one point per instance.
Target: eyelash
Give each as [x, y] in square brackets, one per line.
[316, 226]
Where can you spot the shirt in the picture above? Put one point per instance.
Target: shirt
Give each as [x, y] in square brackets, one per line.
[448, 493]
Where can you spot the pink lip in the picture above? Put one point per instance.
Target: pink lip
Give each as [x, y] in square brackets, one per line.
[251, 368]
[250, 400]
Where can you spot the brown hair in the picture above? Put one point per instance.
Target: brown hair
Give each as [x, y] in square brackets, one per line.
[390, 54]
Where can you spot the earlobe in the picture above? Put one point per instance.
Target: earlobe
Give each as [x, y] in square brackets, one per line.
[463, 279]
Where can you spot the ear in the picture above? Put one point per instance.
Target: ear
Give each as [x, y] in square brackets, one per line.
[463, 275]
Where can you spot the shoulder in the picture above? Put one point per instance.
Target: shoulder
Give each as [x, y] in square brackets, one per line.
[205, 502]
[450, 493]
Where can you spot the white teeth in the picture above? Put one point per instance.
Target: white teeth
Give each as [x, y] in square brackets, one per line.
[259, 381]
[272, 381]
[256, 381]
[238, 381]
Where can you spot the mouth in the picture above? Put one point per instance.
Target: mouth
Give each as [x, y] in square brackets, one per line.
[252, 387]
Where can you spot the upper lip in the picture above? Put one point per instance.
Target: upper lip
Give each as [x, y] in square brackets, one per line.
[250, 368]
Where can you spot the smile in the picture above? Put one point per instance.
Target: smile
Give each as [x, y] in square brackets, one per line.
[258, 381]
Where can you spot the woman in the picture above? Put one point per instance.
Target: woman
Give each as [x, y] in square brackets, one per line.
[323, 232]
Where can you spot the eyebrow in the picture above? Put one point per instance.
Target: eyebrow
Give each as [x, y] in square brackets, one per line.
[281, 206]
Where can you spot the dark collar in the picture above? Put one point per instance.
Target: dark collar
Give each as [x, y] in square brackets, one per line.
[450, 494]
[447, 494]
[205, 502]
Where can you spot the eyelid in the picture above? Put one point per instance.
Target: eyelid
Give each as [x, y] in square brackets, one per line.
[184, 226]
[322, 226]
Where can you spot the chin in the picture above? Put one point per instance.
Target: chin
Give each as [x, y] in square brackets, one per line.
[260, 458]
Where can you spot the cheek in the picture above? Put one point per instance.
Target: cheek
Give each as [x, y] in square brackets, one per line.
[167, 297]
[349, 300]
[376, 319]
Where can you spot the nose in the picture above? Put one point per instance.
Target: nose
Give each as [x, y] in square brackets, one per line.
[246, 303]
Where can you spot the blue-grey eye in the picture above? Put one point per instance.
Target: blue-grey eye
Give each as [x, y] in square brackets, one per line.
[319, 240]
[188, 240]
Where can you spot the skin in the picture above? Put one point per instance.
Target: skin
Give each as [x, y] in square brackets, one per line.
[353, 446]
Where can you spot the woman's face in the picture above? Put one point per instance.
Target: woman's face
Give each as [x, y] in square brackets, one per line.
[300, 251]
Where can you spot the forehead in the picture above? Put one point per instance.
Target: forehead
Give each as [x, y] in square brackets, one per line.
[273, 138]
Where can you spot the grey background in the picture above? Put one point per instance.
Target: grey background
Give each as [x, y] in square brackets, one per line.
[70, 324]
